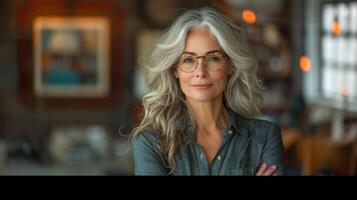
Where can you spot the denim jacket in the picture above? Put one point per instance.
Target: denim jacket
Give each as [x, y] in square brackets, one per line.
[246, 145]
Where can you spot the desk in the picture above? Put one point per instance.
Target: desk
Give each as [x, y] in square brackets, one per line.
[320, 152]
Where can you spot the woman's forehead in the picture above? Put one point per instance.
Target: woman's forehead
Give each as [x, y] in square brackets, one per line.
[200, 40]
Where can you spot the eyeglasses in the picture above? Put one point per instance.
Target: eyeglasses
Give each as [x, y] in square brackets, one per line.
[214, 61]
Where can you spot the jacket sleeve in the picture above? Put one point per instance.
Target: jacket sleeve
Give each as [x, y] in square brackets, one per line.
[274, 149]
[147, 158]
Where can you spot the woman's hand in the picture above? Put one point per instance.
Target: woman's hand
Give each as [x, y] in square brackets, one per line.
[265, 170]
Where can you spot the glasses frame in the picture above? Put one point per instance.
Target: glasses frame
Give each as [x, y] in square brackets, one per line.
[225, 57]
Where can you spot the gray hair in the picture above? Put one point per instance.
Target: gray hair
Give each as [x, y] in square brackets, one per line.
[164, 105]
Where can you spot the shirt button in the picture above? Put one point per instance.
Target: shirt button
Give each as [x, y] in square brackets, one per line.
[201, 156]
[230, 132]
[219, 158]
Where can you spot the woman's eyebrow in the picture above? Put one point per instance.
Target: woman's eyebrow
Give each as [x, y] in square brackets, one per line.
[193, 53]
[187, 52]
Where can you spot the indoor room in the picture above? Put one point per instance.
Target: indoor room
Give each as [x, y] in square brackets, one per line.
[73, 79]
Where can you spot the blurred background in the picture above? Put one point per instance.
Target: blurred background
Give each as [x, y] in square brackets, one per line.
[71, 83]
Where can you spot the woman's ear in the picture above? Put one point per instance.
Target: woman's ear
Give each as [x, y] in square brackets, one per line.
[230, 71]
[175, 73]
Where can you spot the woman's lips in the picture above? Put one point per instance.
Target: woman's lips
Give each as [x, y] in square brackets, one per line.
[201, 86]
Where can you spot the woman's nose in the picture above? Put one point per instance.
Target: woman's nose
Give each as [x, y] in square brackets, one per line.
[201, 69]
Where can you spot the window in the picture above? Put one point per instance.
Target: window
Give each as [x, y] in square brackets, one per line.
[331, 42]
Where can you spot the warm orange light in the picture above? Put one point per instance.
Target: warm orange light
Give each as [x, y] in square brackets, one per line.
[249, 16]
[305, 63]
[344, 90]
[336, 28]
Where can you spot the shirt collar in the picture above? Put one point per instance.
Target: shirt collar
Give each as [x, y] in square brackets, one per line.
[238, 123]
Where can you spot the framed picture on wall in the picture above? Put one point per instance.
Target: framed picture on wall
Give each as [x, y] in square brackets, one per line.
[71, 56]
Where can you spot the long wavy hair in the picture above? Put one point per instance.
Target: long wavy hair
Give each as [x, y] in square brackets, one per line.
[164, 104]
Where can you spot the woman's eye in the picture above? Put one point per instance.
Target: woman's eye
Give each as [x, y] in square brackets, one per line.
[214, 59]
[188, 60]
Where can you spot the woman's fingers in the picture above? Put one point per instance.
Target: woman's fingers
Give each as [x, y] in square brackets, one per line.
[270, 171]
[264, 170]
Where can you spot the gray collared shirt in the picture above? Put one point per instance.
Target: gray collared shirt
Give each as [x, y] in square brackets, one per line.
[246, 145]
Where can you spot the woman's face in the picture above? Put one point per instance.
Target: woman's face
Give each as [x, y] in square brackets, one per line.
[208, 80]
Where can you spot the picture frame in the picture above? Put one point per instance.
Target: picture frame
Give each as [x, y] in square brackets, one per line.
[71, 56]
[107, 93]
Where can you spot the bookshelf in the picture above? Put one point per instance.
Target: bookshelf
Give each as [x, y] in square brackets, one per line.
[270, 42]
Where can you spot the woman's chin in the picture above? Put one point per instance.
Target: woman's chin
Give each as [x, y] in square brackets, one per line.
[202, 98]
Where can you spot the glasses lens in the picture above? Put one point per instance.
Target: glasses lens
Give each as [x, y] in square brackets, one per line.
[188, 63]
[215, 61]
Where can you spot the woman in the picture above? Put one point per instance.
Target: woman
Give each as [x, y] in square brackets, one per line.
[202, 87]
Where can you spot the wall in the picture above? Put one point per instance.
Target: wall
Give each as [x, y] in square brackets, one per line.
[17, 119]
